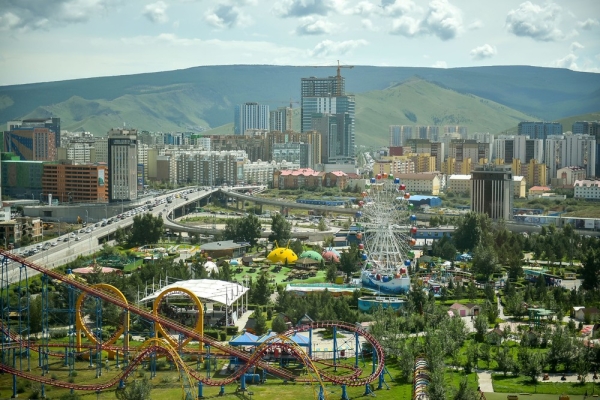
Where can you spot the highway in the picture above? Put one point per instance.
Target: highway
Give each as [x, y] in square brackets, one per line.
[58, 252]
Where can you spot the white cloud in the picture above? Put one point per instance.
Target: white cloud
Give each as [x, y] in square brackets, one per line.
[44, 14]
[440, 64]
[368, 25]
[314, 26]
[405, 26]
[303, 8]
[535, 21]
[226, 16]
[483, 52]
[328, 48]
[364, 8]
[576, 46]
[477, 24]
[568, 61]
[441, 19]
[588, 23]
[156, 12]
[395, 8]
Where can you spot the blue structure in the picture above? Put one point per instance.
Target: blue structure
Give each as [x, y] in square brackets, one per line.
[419, 200]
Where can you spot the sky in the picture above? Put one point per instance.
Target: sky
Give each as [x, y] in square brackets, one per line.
[50, 40]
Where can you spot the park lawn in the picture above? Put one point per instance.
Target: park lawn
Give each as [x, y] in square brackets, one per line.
[133, 265]
[521, 384]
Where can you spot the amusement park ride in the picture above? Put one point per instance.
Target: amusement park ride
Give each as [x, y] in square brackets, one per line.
[385, 219]
[185, 347]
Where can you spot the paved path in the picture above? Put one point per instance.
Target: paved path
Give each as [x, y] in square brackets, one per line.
[486, 386]
[485, 381]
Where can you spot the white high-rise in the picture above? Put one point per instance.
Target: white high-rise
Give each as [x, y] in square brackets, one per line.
[571, 150]
[250, 116]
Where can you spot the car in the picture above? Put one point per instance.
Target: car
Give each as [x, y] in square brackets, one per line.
[54, 244]
[73, 234]
[77, 238]
[88, 230]
[81, 230]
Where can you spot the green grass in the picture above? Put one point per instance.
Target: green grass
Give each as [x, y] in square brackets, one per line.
[520, 384]
[427, 104]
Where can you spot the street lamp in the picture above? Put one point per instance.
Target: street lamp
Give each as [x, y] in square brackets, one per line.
[86, 216]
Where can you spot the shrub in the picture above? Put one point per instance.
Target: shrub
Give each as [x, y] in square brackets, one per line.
[222, 336]
[231, 330]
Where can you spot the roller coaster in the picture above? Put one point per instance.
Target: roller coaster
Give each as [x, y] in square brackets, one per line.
[186, 348]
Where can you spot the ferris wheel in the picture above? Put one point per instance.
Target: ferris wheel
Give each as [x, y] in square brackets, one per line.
[387, 222]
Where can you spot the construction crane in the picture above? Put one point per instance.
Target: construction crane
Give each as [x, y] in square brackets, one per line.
[338, 76]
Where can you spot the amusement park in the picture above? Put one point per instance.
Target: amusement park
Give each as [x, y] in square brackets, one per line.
[243, 317]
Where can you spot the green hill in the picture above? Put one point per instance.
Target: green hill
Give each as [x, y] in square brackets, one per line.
[568, 122]
[418, 102]
[201, 97]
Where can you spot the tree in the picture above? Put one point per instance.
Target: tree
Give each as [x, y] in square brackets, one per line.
[464, 392]
[35, 315]
[260, 327]
[481, 326]
[261, 292]
[532, 363]
[279, 325]
[504, 359]
[297, 247]
[349, 260]
[322, 225]
[484, 261]
[281, 230]
[146, 229]
[473, 229]
[331, 272]
[591, 270]
[247, 229]
[139, 389]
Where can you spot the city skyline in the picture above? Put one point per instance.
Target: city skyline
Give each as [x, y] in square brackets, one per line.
[87, 38]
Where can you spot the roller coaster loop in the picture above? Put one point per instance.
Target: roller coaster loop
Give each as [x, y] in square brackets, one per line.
[134, 356]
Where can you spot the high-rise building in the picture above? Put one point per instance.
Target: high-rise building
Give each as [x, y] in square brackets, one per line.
[463, 149]
[519, 147]
[250, 116]
[492, 191]
[539, 130]
[81, 183]
[122, 164]
[53, 124]
[571, 150]
[326, 98]
[461, 130]
[400, 134]
[296, 153]
[586, 128]
[337, 133]
[31, 143]
[281, 119]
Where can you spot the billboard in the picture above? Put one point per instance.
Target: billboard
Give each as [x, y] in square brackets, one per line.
[101, 177]
[140, 177]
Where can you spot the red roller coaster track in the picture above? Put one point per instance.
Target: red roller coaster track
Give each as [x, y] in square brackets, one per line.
[254, 359]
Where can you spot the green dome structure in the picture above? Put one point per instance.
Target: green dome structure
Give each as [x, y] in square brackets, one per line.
[312, 255]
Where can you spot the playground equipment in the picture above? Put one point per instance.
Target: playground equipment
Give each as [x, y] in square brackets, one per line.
[421, 379]
[84, 305]
[386, 219]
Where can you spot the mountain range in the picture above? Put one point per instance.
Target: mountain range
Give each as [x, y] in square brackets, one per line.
[490, 99]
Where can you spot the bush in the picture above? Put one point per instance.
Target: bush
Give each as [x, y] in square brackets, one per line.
[222, 336]
[231, 330]
[58, 334]
[212, 334]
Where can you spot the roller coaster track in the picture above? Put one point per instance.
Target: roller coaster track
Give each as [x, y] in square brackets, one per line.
[250, 359]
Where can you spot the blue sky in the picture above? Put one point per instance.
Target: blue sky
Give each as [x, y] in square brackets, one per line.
[48, 40]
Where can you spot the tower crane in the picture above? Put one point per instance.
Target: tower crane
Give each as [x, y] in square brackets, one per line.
[338, 76]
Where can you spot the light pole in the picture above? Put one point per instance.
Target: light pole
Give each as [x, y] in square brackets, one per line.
[86, 216]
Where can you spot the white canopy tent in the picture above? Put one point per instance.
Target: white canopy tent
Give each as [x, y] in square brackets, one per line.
[222, 292]
[209, 291]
